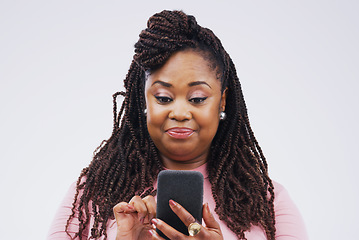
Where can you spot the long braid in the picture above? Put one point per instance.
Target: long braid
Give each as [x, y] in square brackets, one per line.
[128, 162]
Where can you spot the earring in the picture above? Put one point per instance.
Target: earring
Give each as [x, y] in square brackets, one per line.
[145, 112]
[222, 115]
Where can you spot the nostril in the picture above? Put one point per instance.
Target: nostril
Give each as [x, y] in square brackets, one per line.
[180, 115]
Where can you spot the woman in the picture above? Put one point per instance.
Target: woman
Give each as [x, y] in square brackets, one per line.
[183, 109]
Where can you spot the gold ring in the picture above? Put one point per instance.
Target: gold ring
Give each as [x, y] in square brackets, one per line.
[194, 228]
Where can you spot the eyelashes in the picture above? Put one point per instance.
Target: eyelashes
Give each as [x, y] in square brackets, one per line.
[162, 100]
[166, 100]
[198, 100]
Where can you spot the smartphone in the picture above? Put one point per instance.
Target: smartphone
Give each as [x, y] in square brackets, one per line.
[184, 187]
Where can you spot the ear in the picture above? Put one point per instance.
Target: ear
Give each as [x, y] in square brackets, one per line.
[223, 100]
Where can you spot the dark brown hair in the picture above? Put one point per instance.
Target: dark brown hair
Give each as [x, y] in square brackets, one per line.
[128, 162]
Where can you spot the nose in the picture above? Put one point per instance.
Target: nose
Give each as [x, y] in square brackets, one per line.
[180, 111]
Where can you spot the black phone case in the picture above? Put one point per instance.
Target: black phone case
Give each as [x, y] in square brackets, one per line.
[184, 187]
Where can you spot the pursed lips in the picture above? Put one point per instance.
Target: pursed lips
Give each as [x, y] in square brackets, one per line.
[180, 133]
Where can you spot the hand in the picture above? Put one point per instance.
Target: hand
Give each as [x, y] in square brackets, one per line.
[211, 231]
[133, 218]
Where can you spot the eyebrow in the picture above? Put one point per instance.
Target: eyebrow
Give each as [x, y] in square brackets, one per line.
[198, 83]
[191, 84]
[162, 83]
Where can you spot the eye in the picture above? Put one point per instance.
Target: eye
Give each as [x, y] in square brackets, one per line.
[198, 100]
[162, 99]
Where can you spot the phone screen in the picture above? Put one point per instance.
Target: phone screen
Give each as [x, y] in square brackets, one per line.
[184, 187]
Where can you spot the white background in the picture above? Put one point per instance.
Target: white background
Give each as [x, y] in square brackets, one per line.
[60, 62]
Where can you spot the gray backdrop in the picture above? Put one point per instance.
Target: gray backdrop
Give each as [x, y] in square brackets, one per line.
[60, 62]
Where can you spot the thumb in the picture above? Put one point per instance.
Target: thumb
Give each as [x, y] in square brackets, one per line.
[209, 218]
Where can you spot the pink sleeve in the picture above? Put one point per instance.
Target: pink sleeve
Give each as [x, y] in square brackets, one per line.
[289, 222]
[57, 229]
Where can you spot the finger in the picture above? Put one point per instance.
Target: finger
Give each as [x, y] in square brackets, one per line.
[167, 230]
[123, 207]
[209, 218]
[182, 213]
[150, 203]
[140, 207]
[154, 234]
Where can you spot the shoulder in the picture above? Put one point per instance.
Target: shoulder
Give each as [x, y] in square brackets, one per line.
[289, 222]
[72, 194]
[65, 210]
[280, 193]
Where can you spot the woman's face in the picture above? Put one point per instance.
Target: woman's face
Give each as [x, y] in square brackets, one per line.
[183, 100]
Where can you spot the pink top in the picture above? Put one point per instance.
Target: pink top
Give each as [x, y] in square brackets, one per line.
[289, 223]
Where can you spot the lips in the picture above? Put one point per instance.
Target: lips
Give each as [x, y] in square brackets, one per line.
[180, 133]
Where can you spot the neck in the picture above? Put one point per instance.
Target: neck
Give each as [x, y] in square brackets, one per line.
[184, 164]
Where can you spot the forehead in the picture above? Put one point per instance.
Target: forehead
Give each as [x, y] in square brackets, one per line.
[185, 66]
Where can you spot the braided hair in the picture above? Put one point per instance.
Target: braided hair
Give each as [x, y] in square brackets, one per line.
[128, 163]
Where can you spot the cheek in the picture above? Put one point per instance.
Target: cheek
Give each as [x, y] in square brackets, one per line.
[156, 116]
[208, 120]
[209, 124]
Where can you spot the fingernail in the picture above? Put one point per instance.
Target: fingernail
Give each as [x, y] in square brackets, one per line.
[154, 221]
[207, 207]
[151, 232]
[173, 203]
[130, 206]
